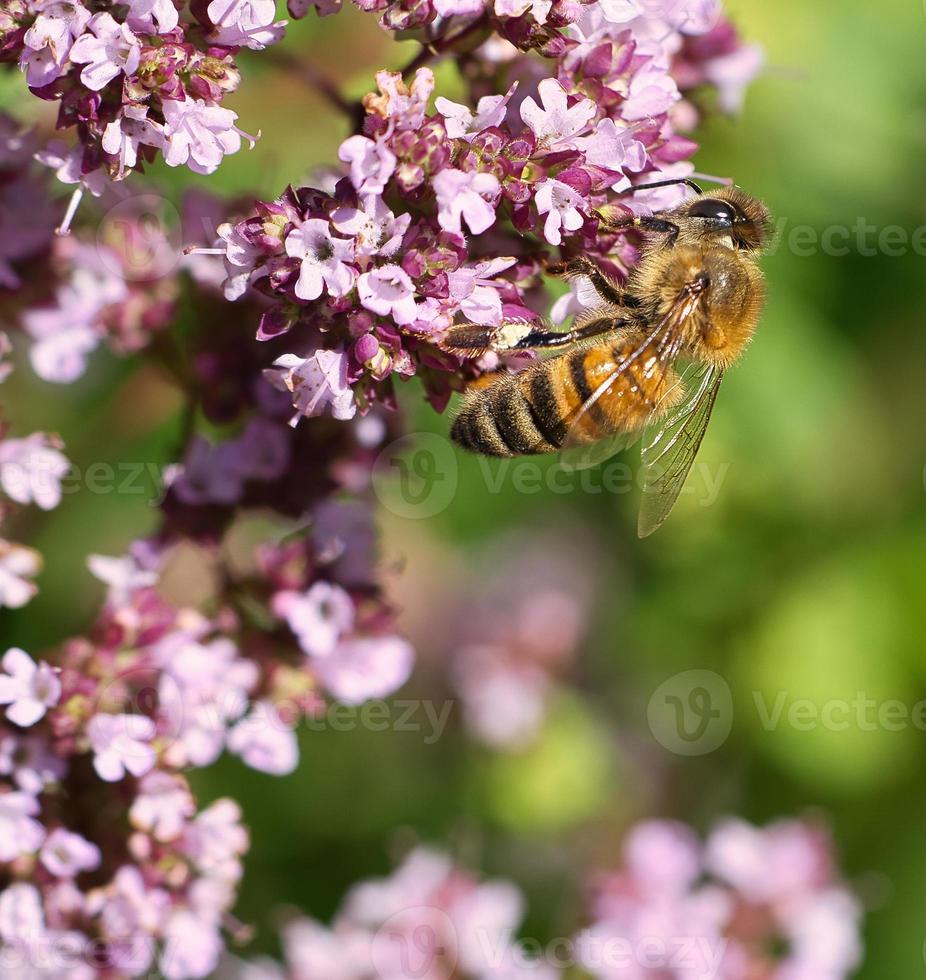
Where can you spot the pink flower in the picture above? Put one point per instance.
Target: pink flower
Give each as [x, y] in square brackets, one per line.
[581, 296]
[316, 382]
[124, 576]
[365, 667]
[371, 163]
[111, 48]
[563, 207]
[199, 135]
[663, 857]
[123, 136]
[31, 470]
[374, 228]
[203, 688]
[468, 195]
[245, 23]
[538, 9]
[475, 289]
[22, 919]
[29, 689]
[504, 703]
[621, 11]
[163, 806]
[17, 566]
[67, 331]
[732, 73]
[127, 908]
[264, 741]
[216, 840]
[48, 41]
[121, 744]
[30, 762]
[153, 16]
[692, 16]
[324, 260]
[19, 832]
[458, 8]
[68, 166]
[342, 953]
[461, 121]
[652, 92]
[66, 854]
[241, 258]
[61, 348]
[319, 617]
[767, 863]
[613, 148]
[556, 124]
[192, 946]
[404, 106]
[388, 291]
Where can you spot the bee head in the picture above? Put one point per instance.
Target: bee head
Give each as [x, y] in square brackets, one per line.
[744, 221]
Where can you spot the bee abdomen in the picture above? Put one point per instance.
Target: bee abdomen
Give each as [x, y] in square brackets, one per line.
[504, 420]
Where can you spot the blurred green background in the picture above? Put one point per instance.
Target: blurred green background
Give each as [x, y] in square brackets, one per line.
[806, 576]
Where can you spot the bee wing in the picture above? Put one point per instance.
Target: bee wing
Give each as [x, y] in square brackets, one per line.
[670, 447]
[666, 338]
[577, 457]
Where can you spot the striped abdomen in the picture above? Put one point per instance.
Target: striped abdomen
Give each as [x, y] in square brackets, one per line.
[533, 411]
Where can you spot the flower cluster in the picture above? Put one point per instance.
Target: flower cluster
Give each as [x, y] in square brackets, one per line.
[110, 869]
[136, 79]
[429, 918]
[135, 873]
[66, 295]
[750, 902]
[450, 213]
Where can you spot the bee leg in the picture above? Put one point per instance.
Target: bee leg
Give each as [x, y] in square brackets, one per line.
[604, 321]
[512, 335]
[607, 289]
[645, 222]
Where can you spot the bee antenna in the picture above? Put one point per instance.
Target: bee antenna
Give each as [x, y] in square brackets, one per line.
[666, 183]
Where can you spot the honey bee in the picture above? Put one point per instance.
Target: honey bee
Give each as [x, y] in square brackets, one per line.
[696, 296]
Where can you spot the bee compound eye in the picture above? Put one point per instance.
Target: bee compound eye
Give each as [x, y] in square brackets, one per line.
[722, 214]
